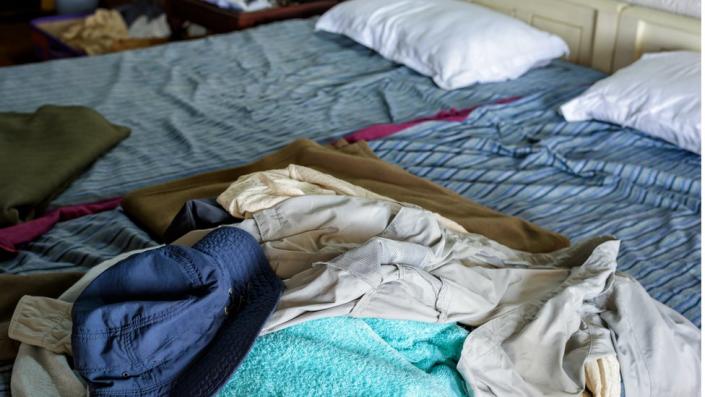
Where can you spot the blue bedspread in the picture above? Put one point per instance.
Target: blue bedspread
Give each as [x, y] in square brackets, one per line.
[225, 100]
[229, 99]
[579, 179]
[220, 102]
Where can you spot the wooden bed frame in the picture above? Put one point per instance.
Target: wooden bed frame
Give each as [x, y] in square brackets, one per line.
[605, 34]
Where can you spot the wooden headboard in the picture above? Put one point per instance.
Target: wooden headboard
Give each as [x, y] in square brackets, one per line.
[605, 34]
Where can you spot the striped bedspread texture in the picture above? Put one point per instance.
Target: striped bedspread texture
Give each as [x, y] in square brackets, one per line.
[226, 100]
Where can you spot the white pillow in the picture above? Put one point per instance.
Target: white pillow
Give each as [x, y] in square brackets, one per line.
[659, 94]
[454, 42]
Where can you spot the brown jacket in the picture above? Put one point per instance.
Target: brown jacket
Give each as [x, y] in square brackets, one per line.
[155, 207]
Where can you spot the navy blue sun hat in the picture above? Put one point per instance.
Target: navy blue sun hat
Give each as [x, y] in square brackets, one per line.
[174, 320]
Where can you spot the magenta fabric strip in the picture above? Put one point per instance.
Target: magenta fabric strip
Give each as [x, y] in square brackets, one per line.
[25, 232]
[378, 131]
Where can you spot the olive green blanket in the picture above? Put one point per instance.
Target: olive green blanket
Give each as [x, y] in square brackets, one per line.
[41, 153]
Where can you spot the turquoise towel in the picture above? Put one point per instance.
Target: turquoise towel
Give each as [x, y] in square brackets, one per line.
[347, 356]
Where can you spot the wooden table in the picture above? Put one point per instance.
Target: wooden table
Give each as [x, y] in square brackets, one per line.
[219, 20]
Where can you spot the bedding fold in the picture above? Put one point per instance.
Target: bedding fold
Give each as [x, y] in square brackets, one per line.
[379, 131]
[154, 207]
[12, 236]
[41, 153]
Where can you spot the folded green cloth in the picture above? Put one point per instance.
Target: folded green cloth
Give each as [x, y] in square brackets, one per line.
[41, 153]
[346, 356]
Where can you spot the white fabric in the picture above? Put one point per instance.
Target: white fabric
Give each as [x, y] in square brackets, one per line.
[454, 42]
[264, 189]
[243, 5]
[602, 376]
[683, 7]
[145, 28]
[659, 94]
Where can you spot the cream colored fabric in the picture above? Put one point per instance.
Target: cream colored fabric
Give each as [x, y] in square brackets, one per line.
[43, 322]
[96, 33]
[265, 189]
[40, 372]
[602, 377]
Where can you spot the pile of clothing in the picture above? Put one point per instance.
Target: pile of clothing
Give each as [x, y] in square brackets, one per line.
[323, 270]
[109, 30]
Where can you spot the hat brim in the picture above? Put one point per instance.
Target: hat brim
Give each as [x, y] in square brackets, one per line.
[233, 341]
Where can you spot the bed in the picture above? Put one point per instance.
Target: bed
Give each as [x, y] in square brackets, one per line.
[229, 99]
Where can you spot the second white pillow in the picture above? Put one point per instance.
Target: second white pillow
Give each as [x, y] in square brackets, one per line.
[454, 42]
[659, 94]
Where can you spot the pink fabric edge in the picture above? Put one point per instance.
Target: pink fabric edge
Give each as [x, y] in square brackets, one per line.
[378, 131]
[12, 236]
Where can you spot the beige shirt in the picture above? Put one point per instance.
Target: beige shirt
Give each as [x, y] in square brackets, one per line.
[264, 189]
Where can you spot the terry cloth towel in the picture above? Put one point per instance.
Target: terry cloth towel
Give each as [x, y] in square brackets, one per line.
[12, 236]
[41, 153]
[348, 356]
[379, 131]
[13, 287]
[155, 207]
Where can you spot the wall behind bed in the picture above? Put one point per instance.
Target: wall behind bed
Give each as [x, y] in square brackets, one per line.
[605, 34]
